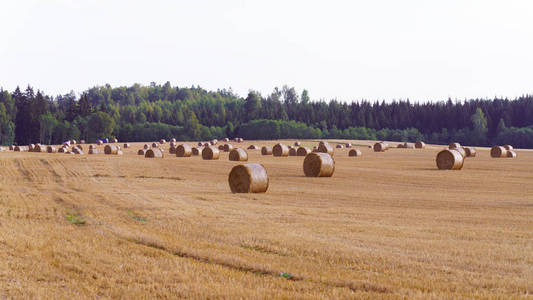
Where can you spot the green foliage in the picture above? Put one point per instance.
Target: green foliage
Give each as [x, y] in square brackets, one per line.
[143, 113]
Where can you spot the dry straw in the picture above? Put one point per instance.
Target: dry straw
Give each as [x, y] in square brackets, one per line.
[21, 149]
[210, 153]
[293, 152]
[183, 150]
[450, 159]
[325, 147]
[238, 154]
[303, 151]
[96, 151]
[460, 150]
[197, 150]
[420, 145]
[355, 152]
[248, 178]
[409, 145]
[319, 165]
[39, 148]
[51, 149]
[498, 151]
[470, 151]
[454, 145]
[508, 147]
[228, 147]
[400, 146]
[31, 147]
[111, 149]
[77, 150]
[154, 153]
[511, 154]
[266, 150]
[381, 147]
[280, 150]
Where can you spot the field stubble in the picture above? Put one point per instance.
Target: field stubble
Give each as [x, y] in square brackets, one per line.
[386, 225]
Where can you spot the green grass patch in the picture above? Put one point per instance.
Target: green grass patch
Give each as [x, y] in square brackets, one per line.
[136, 217]
[74, 218]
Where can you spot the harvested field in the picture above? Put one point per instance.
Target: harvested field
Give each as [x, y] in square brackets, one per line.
[386, 225]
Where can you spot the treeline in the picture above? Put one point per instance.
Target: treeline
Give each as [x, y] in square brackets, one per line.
[145, 113]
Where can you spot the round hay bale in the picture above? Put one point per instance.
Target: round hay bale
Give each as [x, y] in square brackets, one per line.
[324, 147]
[153, 153]
[126, 146]
[115, 141]
[220, 147]
[280, 150]
[172, 140]
[248, 178]
[31, 147]
[200, 144]
[511, 154]
[226, 140]
[21, 149]
[51, 149]
[461, 150]
[450, 159]
[315, 149]
[498, 151]
[99, 142]
[197, 150]
[12, 147]
[62, 150]
[146, 147]
[73, 142]
[508, 147]
[303, 151]
[400, 146]
[266, 150]
[81, 147]
[210, 153]
[77, 150]
[183, 150]
[155, 145]
[94, 151]
[348, 145]
[339, 146]
[207, 144]
[381, 147]
[293, 152]
[238, 154]
[141, 152]
[228, 147]
[420, 145]
[355, 152]
[111, 149]
[297, 144]
[92, 147]
[454, 145]
[172, 149]
[162, 141]
[319, 165]
[470, 151]
[409, 145]
[253, 147]
[213, 142]
[39, 148]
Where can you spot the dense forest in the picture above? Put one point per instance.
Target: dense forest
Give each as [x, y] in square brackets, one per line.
[146, 113]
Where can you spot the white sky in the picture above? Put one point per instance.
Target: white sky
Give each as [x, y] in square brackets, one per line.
[349, 50]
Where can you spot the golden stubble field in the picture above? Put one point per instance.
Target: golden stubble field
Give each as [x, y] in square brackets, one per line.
[386, 225]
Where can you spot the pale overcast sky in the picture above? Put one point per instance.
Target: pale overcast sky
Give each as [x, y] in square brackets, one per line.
[349, 50]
